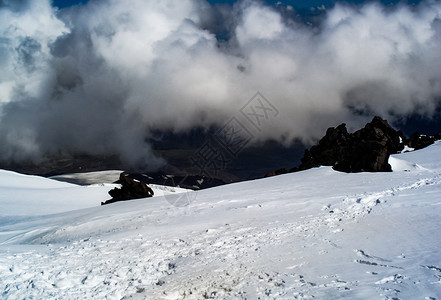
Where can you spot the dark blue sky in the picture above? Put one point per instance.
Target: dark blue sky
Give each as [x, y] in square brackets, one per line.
[66, 3]
[295, 3]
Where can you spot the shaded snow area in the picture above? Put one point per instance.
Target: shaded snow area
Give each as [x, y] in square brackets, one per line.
[314, 234]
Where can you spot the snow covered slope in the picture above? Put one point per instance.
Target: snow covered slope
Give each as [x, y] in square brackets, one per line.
[23, 195]
[313, 234]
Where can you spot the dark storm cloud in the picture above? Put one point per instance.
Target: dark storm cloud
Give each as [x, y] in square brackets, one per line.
[98, 78]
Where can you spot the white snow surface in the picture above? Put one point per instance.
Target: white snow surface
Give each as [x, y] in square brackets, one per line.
[314, 234]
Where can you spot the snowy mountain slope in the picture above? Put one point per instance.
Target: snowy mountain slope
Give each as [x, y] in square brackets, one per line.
[23, 195]
[313, 234]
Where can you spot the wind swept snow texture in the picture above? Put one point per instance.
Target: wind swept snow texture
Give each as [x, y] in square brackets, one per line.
[314, 234]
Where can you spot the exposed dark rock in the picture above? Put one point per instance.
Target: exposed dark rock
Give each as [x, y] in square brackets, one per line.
[419, 141]
[331, 150]
[130, 189]
[366, 150]
[370, 147]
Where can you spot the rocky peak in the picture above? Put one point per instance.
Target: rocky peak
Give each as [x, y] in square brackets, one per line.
[366, 150]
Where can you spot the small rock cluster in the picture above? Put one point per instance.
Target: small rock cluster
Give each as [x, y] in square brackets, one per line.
[130, 189]
[419, 141]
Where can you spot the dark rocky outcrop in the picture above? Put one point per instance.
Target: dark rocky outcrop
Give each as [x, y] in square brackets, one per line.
[366, 150]
[419, 141]
[130, 189]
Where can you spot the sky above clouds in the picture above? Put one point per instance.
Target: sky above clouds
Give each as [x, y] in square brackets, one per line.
[295, 3]
[98, 78]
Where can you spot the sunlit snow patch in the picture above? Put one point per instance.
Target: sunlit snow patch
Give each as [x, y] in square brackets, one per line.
[407, 149]
[399, 165]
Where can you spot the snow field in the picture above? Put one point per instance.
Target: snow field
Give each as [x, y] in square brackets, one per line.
[314, 234]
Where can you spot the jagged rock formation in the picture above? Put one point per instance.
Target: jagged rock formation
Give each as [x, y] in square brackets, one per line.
[418, 141]
[366, 150]
[130, 189]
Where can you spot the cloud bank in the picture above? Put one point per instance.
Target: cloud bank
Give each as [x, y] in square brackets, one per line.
[97, 79]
